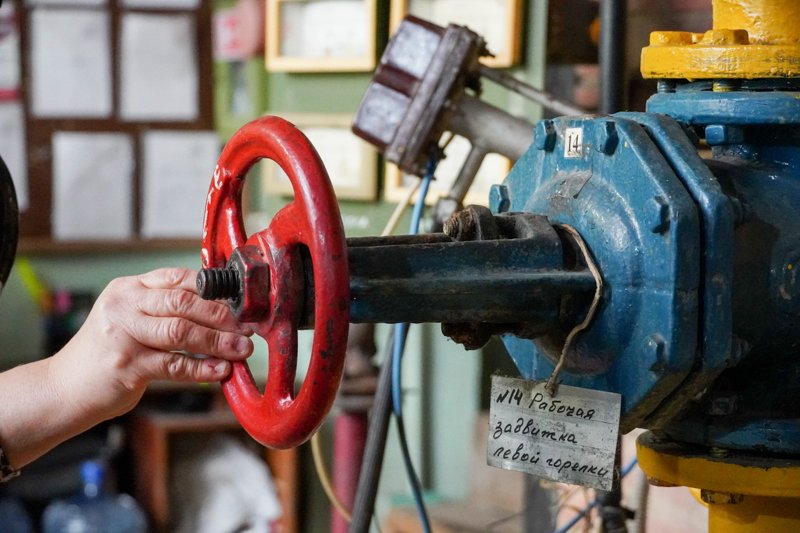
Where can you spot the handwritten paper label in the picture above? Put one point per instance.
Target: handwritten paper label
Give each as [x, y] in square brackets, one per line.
[570, 438]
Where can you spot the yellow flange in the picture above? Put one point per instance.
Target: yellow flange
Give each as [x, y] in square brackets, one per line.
[750, 39]
[743, 493]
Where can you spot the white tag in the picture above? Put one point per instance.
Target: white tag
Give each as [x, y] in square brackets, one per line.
[573, 143]
[570, 438]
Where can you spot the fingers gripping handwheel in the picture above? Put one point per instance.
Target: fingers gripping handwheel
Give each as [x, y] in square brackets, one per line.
[268, 269]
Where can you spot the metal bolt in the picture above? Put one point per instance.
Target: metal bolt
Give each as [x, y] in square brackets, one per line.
[451, 226]
[722, 405]
[719, 453]
[655, 347]
[460, 226]
[720, 498]
[219, 283]
[544, 137]
[499, 201]
[742, 212]
[726, 86]
[658, 215]
[717, 134]
[666, 86]
[739, 348]
[607, 138]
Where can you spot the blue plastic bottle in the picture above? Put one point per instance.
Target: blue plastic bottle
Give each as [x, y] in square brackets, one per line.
[13, 517]
[94, 511]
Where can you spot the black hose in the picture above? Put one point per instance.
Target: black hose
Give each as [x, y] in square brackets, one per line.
[371, 465]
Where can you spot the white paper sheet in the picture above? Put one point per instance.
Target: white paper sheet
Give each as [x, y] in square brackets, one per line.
[324, 28]
[70, 63]
[9, 52]
[158, 67]
[66, 3]
[161, 4]
[178, 166]
[487, 18]
[12, 148]
[92, 186]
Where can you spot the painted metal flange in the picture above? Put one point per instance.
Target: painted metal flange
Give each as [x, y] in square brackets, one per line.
[744, 492]
[606, 178]
[695, 104]
[750, 39]
[716, 269]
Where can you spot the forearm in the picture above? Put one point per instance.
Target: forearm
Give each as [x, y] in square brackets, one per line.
[36, 414]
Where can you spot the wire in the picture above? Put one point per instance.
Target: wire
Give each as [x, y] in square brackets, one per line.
[325, 480]
[400, 333]
[400, 209]
[577, 518]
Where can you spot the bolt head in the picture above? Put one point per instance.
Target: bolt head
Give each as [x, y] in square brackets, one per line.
[544, 136]
[717, 134]
[720, 498]
[722, 405]
[655, 348]
[499, 200]
[606, 137]
[657, 215]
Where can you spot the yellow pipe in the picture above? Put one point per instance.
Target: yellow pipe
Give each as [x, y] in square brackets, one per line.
[755, 514]
[766, 21]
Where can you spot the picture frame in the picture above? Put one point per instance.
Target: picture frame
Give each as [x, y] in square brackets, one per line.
[321, 35]
[497, 21]
[494, 169]
[351, 163]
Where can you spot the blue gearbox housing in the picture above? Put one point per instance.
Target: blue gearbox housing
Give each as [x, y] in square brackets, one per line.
[697, 327]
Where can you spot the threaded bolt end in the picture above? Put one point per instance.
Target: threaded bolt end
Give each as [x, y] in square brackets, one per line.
[218, 283]
[450, 227]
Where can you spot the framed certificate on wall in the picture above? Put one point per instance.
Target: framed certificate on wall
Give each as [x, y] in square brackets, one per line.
[320, 35]
[499, 22]
[351, 163]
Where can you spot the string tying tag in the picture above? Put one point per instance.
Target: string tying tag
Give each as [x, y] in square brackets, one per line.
[552, 384]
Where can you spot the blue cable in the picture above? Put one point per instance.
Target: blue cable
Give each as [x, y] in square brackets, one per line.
[401, 330]
[577, 518]
[398, 345]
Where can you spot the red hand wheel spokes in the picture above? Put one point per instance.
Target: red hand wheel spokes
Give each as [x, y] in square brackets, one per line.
[278, 418]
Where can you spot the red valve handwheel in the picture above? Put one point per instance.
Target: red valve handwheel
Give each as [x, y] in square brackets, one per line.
[279, 418]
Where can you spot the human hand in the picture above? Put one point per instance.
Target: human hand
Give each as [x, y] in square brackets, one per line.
[132, 335]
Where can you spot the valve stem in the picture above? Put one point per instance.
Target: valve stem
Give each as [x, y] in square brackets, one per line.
[219, 283]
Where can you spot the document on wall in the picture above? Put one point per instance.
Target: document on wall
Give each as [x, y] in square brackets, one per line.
[92, 186]
[9, 53]
[178, 166]
[161, 4]
[66, 3]
[70, 63]
[12, 148]
[158, 67]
